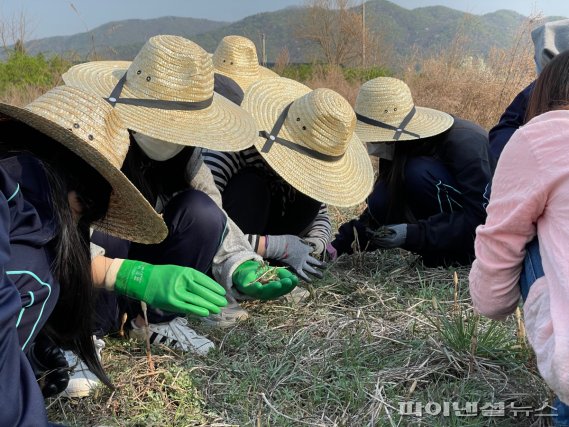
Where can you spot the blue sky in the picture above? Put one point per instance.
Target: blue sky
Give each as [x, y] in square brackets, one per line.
[57, 17]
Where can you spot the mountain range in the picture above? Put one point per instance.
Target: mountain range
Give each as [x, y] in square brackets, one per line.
[426, 29]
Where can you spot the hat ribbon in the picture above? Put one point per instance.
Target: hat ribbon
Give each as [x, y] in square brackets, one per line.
[273, 138]
[399, 130]
[161, 104]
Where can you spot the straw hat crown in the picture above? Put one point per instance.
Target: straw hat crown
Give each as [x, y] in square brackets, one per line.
[385, 99]
[386, 112]
[171, 68]
[323, 121]
[236, 54]
[89, 126]
[236, 58]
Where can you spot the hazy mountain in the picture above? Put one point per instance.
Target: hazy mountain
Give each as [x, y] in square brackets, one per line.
[110, 39]
[426, 28]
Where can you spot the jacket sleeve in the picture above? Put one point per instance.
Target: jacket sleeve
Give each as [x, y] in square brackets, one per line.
[513, 211]
[511, 120]
[468, 159]
[22, 400]
[234, 249]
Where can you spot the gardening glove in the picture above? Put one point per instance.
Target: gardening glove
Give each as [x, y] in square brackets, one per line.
[318, 246]
[294, 251]
[170, 287]
[254, 279]
[49, 365]
[389, 236]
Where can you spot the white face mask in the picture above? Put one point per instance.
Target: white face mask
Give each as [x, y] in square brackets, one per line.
[156, 149]
[382, 150]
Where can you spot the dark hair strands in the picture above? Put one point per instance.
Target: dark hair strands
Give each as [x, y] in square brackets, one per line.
[551, 90]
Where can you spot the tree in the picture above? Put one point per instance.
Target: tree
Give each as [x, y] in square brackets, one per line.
[337, 28]
[14, 31]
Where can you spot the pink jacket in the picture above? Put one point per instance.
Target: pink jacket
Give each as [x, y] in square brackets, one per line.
[530, 194]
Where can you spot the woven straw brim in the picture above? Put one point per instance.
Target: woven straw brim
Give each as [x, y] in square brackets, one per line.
[244, 81]
[426, 123]
[129, 215]
[223, 126]
[344, 182]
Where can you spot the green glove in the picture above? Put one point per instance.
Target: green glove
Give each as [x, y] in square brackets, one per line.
[170, 287]
[246, 278]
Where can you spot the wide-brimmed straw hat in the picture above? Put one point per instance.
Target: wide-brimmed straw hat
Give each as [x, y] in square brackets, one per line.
[88, 126]
[386, 112]
[166, 92]
[307, 136]
[236, 57]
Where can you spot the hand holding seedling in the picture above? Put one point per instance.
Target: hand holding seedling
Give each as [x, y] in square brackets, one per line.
[171, 288]
[261, 281]
[295, 252]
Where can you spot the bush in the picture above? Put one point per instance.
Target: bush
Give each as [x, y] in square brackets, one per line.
[21, 72]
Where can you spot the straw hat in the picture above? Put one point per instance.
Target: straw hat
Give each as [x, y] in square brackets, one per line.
[89, 127]
[386, 112]
[315, 150]
[236, 58]
[168, 95]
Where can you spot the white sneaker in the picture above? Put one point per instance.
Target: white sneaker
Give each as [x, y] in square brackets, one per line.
[81, 379]
[176, 334]
[230, 315]
[297, 295]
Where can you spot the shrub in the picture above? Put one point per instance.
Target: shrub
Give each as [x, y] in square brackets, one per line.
[24, 77]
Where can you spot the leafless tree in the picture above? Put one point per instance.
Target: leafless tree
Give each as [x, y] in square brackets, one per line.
[282, 61]
[336, 26]
[14, 31]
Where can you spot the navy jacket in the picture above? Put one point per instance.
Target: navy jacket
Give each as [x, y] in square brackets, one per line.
[510, 121]
[465, 152]
[444, 238]
[28, 291]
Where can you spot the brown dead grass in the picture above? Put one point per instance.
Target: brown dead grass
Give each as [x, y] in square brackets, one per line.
[332, 78]
[471, 87]
[21, 96]
[474, 88]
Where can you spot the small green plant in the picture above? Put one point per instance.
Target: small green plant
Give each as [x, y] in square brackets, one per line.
[465, 332]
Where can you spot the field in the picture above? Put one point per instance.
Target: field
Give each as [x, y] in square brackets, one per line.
[378, 331]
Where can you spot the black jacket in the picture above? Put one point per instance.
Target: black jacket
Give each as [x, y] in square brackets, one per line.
[445, 238]
[449, 237]
[511, 120]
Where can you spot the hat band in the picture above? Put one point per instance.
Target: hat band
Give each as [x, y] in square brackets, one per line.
[398, 130]
[273, 138]
[115, 99]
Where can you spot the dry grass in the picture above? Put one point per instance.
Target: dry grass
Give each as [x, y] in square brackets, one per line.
[21, 96]
[332, 78]
[473, 88]
[378, 330]
[470, 87]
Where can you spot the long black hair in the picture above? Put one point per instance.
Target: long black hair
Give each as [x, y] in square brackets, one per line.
[70, 324]
[394, 176]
